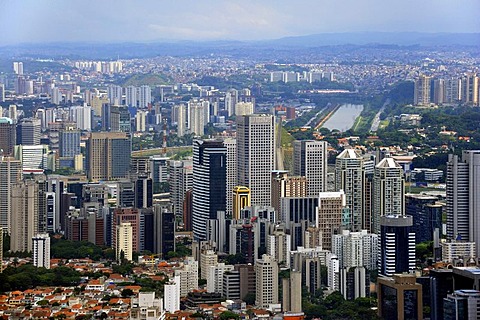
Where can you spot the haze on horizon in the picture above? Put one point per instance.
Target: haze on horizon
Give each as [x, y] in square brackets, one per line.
[34, 21]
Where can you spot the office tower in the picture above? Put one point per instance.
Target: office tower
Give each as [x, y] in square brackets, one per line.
[143, 192]
[421, 94]
[24, 214]
[108, 156]
[209, 183]
[28, 131]
[33, 158]
[131, 96]
[144, 96]
[69, 141]
[179, 116]
[7, 136]
[12, 113]
[180, 180]
[114, 94]
[243, 108]
[123, 245]
[164, 233]
[330, 214]
[462, 304]
[441, 284]
[208, 258]
[41, 250]
[310, 161]
[438, 91]
[388, 191]
[298, 214]
[397, 245]
[350, 177]
[231, 145]
[463, 197]
[125, 194]
[2, 94]
[266, 292]
[426, 214]
[400, 297]
[256, 155]
[10, 174]
[132, 216]
[241, 199]
[158, 168]
[231, 97]
[309, 261]
[172, 295]
[284, 186]
[470, 89]
[188, 275]
[278, 244]
[354, 282]
[124, 123]
[140, 121]
[56, 96]
[215, 277]
[196, 118]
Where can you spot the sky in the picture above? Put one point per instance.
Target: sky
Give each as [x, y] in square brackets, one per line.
[36, 21]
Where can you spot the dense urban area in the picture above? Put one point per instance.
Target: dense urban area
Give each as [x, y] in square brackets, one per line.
[333, 182]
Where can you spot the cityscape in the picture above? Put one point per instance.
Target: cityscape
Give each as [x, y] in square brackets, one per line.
[247, 171]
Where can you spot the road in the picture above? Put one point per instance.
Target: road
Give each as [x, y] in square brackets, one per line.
[376, 120]
[316, 115]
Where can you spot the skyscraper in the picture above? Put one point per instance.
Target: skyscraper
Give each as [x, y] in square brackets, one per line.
[421, 94]
[266, 270]
[196, 118]
[144, 96]
[7, 136]
[69, 142]
[286, 186]
[256, 155]
[388, 191]
[241, 199]
[463, 197]
[180, 180]
[350, 177]
[123, 245]
[209, 183]
[10, 174]
[310, 160]
[231, 145]
[28, 131]
[108, 156]
[397, 245]
[330, 213]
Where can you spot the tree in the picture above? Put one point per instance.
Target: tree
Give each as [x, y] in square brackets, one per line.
[127, 293]
[227, 315]
[249, 298]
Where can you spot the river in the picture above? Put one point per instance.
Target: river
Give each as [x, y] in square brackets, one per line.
[344, 118]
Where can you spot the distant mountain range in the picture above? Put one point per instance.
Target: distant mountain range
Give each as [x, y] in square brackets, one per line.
[101, 50]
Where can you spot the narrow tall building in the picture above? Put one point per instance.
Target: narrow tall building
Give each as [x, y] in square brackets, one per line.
[108, 156]
[310, 161]
[41, 250]
[350, 177]
[28, 131]
[209, 183]
[266, 292]
[7, 136]
[256, 155]
[10, 174]
[463, 197]
[421, 94]
[388, 191]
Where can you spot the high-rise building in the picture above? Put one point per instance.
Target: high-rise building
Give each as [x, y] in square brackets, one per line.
[209, 183]
[172, 295]
[41, 250]
[256, 155]
[310, 161]
[397, 245]
[241, 199]
[356, 249]
[141, 121]
[25, 214]
[123, 245]
[180, 180]
[158, 169]
[231, 97]
[438, 91]
[69, 142]
[400, 297]
[28, 131]
[421, 94]
[388, 191]
[350, 177]
[463, 197]
[243, 108]
[131, 96]
[132, 217]
[292, 301]
[330, 214]
[286, 186]
[188, 276]
[2, 93]
[266, 293]
[196, 118]
[7, 136]
[144, 96]
[470, 89]
[231, 145]
[1, 249]
[179, 116]
[453, 90]
[10, 174]
[426, 214]
[143, 192]
[114, 94]
[108, 156]
[164, 232]
[462, 304]
[82, 116]
[34, 158]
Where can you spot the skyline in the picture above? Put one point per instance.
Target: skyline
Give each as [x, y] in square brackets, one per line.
[126, 21]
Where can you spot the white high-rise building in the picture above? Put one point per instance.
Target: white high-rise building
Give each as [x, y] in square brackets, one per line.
[32, 157]
[114, 94]
[82, 116]
[188, 276]
[279, 245]
[179, 116]
[172, 295]
[144, 96]
[422, 91]
[208, 258]
[124, 246]
[141, 120]
[215, 277]
[333, 280]
[350, 177]
[243, 108]
[41, 250]
[10, 173]
[388, 191]
[356, 249]
[231, 98]
[266, 273]
[310, 161]
[256, 155]
[196, 118]
[2, 96]
[131, 96]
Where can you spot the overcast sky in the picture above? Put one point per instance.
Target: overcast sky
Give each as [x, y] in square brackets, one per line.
[152, 20]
